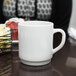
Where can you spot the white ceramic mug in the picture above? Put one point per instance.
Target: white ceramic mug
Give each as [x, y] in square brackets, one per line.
[36, 42]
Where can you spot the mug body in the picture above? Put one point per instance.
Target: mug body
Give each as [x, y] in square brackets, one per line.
[35, 42]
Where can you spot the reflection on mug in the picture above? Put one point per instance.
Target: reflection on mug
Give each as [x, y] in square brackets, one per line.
[46, 70]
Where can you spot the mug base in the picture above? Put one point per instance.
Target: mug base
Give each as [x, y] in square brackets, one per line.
[35, 63]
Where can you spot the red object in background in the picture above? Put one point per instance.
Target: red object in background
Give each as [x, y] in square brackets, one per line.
[14, 29]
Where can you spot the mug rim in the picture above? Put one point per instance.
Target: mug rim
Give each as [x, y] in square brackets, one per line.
[36, 23]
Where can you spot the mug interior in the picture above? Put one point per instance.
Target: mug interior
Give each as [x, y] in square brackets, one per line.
[36, 23]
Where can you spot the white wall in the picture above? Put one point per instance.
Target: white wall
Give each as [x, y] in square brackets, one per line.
[73, 17]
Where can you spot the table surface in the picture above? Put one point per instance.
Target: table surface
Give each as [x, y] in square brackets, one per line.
[63, 62]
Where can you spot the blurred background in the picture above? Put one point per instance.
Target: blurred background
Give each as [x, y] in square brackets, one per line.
[73, 17]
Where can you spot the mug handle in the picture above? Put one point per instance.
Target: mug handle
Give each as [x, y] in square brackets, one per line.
[63, 39]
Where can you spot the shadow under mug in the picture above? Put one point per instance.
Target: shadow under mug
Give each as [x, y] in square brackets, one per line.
[47, 70]
[36, 42]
